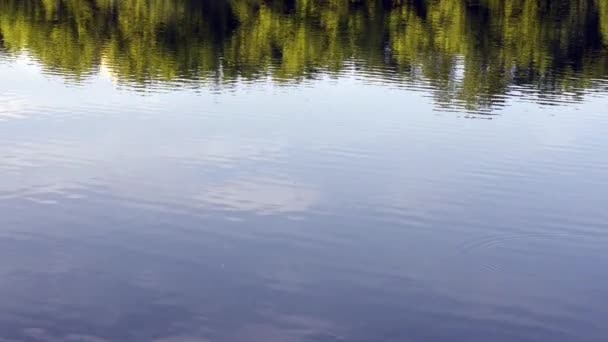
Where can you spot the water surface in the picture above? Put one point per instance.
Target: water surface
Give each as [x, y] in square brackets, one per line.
[303, 170]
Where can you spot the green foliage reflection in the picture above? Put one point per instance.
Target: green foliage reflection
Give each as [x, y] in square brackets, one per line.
[472, 52]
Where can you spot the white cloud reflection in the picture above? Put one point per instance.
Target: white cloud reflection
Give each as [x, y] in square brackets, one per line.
[261, 195]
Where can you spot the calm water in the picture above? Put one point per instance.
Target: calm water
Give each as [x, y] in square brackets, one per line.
[249, 170]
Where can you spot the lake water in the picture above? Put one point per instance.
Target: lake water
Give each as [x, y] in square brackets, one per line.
[250, 170]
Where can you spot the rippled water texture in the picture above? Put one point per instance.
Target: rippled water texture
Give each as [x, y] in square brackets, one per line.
[248, 170]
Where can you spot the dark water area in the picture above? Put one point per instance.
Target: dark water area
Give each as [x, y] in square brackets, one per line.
[248, 170]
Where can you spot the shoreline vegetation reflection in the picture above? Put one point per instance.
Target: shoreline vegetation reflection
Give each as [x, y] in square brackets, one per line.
[471, 54]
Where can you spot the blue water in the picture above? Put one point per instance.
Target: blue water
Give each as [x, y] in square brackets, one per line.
[346, 206]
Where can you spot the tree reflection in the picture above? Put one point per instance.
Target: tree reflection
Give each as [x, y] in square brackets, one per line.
[472, 53]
